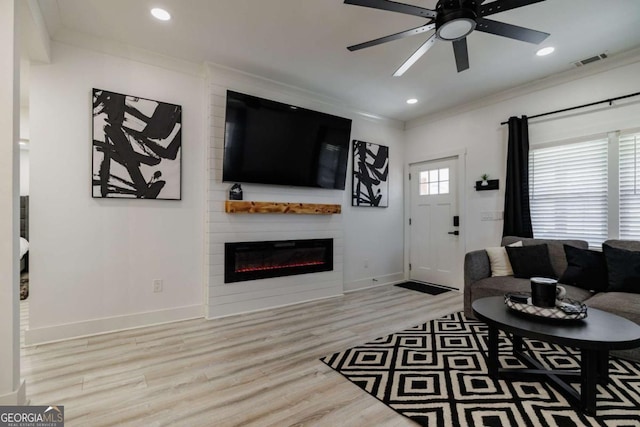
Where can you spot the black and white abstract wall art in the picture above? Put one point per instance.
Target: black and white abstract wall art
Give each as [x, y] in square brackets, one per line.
[370, 175]
[137, 147]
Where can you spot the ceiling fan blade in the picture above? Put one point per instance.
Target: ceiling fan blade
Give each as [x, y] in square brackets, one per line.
[392, 37]
[416, 55]
[394, 7]
[510, 31]
[503, 5]
[461, 54]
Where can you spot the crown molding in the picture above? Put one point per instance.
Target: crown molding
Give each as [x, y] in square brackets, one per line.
[36, 41]
[123, 50]
[226, 75]
[233, 78]
[615, 61]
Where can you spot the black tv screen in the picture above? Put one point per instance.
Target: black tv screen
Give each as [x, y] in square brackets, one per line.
[268, 142]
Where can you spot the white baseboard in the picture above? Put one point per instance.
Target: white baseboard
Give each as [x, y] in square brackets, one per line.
[110, 324]
[15, 398]
[372, 282]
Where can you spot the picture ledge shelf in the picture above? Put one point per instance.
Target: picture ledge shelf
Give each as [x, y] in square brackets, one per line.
[246, 206]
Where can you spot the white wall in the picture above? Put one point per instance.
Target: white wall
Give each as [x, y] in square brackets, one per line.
[12, 390]
[479, 131]
[358, 233]
[93, 261]
[24, 152]
[375, 235]
[24, 172]
[24, 123]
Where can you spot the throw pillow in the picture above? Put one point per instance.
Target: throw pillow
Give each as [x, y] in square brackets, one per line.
[586, 269]
[530, 261]
[500, 265]
[623, 267]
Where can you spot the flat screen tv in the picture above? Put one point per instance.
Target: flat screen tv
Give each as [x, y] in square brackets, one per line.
[269, 142]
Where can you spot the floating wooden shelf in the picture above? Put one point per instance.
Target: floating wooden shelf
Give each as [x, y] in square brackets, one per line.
[245, 206]
[492, 184]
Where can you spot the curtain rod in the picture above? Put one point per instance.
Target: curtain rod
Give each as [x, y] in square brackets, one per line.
[609, 101]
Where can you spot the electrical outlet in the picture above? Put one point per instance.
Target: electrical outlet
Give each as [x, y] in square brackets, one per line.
[157, 285]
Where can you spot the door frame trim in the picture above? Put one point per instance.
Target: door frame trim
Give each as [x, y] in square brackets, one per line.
[461, 155]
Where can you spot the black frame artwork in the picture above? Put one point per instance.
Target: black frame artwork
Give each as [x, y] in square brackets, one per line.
[137, 147]
[370, 183]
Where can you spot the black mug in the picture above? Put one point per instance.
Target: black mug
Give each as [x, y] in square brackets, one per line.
[545, 292]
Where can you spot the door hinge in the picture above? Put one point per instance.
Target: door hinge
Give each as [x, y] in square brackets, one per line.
[409, 266]
[409, 177]
[409, 221]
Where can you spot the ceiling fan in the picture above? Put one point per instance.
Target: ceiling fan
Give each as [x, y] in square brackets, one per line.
[453, 21]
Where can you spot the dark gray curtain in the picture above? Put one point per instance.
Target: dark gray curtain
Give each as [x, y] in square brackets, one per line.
[517, 213]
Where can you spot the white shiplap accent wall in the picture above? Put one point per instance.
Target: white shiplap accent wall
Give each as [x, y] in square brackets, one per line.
[233, 298]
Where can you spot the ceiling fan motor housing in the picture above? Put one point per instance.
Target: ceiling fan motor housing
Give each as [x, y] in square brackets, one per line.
[455, 19]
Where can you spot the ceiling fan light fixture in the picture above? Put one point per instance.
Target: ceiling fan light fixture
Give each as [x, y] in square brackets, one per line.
[456, 29]
[545, 51]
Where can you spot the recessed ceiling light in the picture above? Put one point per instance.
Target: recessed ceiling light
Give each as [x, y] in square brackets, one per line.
[545, 51]
[160, 14]
[412, 101]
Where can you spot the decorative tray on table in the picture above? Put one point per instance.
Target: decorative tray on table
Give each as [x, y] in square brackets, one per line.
[566, 309]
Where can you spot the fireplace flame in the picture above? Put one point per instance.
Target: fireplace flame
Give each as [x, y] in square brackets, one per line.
[276, 267]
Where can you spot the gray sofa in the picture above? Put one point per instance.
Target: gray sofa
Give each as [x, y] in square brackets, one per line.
[478, 282]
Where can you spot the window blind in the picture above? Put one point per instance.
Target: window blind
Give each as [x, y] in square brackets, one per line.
[630, 187]
[568, 191]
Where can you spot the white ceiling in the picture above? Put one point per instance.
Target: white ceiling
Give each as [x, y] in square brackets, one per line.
[303, 43]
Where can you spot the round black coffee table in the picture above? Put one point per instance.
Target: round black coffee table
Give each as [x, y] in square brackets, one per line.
[595, 336]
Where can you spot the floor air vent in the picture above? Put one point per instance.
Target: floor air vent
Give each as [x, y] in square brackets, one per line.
[590, 60]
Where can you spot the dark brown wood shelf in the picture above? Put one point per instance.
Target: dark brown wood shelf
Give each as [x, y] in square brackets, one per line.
[251, 207]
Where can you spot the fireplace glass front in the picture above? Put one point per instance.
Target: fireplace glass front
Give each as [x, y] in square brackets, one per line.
[261, 260]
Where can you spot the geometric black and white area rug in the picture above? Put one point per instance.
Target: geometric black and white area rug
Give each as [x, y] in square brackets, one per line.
[436, 375]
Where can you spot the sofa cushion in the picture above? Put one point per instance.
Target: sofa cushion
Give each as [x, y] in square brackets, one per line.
[530, 261]
[623, 304]
[556, 249]
[499, 260]
[500, 265]
[623, 268]
[496, 286]
[630, 245]
[586, 269]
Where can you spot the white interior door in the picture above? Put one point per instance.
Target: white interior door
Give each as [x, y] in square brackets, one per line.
[434, 251]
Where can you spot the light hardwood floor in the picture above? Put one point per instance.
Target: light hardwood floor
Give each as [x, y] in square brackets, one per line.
[258, 369]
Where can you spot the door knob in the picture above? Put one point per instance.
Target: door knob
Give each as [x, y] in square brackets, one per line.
[455, 233]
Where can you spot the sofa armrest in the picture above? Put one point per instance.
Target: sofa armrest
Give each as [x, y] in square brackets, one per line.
[476, 267]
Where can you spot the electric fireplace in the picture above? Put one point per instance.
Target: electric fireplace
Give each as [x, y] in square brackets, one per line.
[260, 260]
